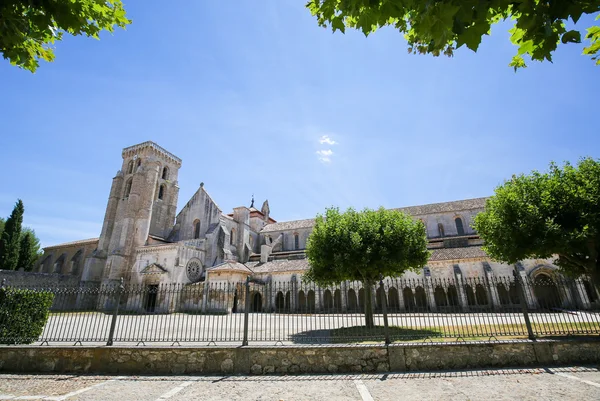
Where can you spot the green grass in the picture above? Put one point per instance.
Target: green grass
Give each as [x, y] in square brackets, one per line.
[362, 334]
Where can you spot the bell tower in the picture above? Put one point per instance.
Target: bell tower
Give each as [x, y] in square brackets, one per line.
[142, 202]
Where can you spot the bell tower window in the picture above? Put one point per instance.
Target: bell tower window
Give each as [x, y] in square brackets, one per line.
[127, 188]
[196, 229]
[161, 192]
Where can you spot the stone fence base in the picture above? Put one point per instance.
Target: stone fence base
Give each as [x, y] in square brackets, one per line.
[284, 359]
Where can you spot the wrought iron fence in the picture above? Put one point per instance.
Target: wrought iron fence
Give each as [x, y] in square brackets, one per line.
[268, 311]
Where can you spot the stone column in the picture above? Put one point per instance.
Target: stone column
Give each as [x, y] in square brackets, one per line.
[462, 296]
[430, 294]
[344, 291]
[489, 280]
[528, 290]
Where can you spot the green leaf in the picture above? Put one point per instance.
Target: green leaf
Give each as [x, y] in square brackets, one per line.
[571, 37]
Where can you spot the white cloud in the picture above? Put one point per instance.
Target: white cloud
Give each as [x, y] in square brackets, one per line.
[325, 155]
[326, 139]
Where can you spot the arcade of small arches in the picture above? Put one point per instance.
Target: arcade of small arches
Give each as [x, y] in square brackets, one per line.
[60, 264]
[424, 296]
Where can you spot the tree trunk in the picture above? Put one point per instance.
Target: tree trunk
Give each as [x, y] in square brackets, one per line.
[369, 322]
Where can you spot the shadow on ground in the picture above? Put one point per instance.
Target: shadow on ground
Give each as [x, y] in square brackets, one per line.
[359, 334]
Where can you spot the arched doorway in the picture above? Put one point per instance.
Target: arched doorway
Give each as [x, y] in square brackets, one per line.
[439, 295]
[409, 299]
[453, 296]
[470, 295]
[310, 301]
[301, 301]
[421, 299]
[256, 302]
[502, 294]
[361, 299]
[481, 295]
[279, 302]
[513, 294]
[327, 301]
[352, 302]
[393, 299]
[546, 292]
[337, 300]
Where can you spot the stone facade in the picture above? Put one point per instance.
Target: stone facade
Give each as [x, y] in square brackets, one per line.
[146, 243]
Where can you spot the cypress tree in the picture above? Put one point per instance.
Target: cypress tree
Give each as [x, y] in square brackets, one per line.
[26, 252]
[10, 239]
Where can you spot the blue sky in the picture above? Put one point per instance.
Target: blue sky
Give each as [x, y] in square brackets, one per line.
[245, 91]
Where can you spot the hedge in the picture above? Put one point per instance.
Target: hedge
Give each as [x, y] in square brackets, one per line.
[23, 315]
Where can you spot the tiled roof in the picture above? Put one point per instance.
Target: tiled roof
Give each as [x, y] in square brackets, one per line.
[230, 265]
[289, 225]
[444, 207]
[285, 265]
[279, 266]
[80, 242]
[468, 252]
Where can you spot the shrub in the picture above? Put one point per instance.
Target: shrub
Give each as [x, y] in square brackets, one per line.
[23, 315]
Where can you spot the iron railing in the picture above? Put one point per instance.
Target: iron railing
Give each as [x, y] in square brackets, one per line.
[277, 312]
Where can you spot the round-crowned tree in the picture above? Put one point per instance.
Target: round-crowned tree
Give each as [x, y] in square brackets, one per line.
[361, 246]
[543, 215]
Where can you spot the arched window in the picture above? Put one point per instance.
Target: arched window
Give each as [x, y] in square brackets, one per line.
[58, 265]
[161, 192]
[232, 237]
[130, 167]
[441, 229]
[127, 188]
[459, 226]
[296, 241]
[46, 264]
[139, 163]
[76, 262]
[196, 229]
[165, 173]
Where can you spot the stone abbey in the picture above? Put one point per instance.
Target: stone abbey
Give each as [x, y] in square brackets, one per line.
[145, 241]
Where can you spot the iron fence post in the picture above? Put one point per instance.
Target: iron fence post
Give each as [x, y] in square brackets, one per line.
[113, 323]
[246, 312]
[523, 302]
[386, 328]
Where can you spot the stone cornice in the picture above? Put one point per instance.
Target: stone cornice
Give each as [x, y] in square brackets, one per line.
[154, 248]
[132, 150]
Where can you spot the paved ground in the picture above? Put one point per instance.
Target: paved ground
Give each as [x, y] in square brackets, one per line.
[573, 383]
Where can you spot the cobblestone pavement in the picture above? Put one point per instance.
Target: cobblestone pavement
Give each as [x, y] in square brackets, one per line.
[572, 383]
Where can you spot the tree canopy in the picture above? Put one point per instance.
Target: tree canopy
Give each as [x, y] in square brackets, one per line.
[359, 246]
[10, 238]
[25, 249]
[442, 26]
[544, 215]
[29, 28]
[29, 249]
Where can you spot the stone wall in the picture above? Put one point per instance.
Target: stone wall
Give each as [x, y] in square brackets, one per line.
[40, 280]
[283, 360]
